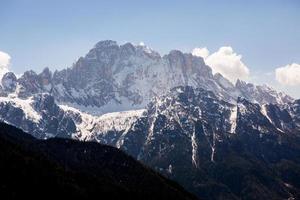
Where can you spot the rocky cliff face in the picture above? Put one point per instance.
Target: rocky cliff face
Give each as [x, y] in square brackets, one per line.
[219, 150]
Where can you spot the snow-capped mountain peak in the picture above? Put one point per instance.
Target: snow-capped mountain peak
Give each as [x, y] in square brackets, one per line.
[113, 78]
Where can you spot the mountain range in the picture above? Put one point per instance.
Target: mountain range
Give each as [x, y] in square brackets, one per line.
[217, 139]
[114, 77]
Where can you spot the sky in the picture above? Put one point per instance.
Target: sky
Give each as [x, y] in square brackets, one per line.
[258, 41]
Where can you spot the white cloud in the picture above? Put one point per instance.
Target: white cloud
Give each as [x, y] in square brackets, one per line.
[4, 63]
[226, 62]
[201, 52]
[288, 75]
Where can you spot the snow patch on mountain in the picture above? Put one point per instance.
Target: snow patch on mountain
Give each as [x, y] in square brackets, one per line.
[25, 105]
[265, 113]
[194, 148]
[90, 126]
[118, 121]
[84, 126]
[233, 119]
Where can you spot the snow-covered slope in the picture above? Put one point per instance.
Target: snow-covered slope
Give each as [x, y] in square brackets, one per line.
[23, 104]
[96, 128]
[262, 94]
[44, 118]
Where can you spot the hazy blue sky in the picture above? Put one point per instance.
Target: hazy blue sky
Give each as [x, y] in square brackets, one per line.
[54, 33]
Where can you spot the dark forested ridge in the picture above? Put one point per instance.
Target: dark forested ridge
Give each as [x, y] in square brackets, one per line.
[67, 168]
